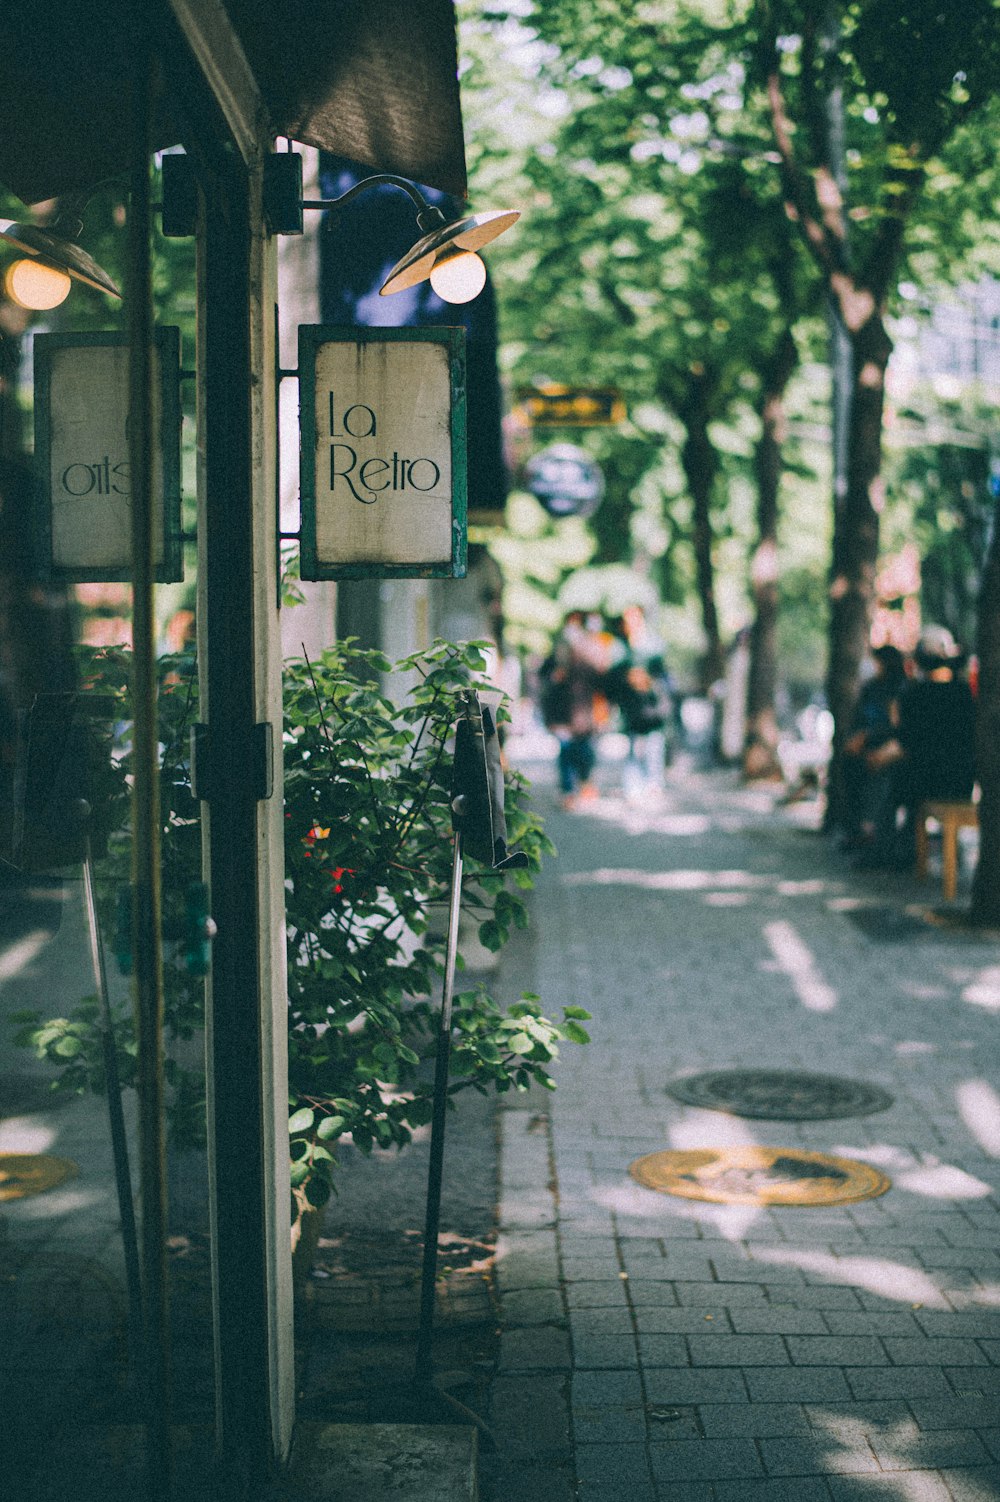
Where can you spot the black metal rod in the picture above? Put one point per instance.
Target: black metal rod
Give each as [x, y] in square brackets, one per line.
[435, 1173]
[388, 179]
[147, 946]
[116, 1117]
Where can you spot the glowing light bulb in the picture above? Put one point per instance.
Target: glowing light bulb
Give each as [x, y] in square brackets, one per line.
[458, 277]
[32, 284]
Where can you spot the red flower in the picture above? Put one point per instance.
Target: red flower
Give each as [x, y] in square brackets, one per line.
[337, 872]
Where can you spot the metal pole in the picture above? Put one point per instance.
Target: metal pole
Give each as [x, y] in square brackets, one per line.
[147, 944]
[119, 1140]
[435, 1174]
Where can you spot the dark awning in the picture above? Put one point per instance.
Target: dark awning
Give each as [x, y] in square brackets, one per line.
[375, 80]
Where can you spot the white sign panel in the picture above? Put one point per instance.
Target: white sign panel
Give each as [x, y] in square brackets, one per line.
[383, 453]
[82, 451]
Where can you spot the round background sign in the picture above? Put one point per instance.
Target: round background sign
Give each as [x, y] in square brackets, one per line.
[565, 480]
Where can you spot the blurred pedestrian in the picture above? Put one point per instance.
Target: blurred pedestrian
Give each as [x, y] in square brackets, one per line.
[870, 809]
[933, 751]
[638, 683]
[569, 679]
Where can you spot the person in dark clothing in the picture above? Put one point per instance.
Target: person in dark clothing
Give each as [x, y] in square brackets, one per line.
[933, 751]
[869, 790]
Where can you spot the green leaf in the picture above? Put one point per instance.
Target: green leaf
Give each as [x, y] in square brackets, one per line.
[520, 1043]
[575, 1033]
[301, 1121]
[330, 1127]
[580, 1013]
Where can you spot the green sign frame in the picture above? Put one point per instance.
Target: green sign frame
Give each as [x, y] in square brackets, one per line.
[312, 565]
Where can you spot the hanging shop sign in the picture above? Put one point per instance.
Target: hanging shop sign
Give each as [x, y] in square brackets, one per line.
[565, 480]
[82, 455]
[383, 455]
[571, 406]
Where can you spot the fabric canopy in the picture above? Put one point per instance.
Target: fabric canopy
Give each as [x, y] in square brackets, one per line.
[375, 80]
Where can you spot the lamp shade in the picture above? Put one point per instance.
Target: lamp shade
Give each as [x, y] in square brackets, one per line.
[470, 233]
[53, 250]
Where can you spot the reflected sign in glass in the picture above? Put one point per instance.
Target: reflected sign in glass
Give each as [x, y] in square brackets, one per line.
[565, 480]
[82, 454]
[383, 458]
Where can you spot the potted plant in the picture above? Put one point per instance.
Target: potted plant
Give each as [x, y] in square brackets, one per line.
[367, 862]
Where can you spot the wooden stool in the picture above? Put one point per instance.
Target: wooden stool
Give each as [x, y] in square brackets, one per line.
[952, 817]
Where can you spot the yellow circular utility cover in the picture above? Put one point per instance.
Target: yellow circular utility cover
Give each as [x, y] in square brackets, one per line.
[759, 1176]
[24, 1174]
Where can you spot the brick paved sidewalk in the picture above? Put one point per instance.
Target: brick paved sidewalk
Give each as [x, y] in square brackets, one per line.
[657, 1348]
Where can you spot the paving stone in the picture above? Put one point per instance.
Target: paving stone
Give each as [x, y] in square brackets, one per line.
[932, 1450]
[945, 1351]
[850, 1421]
[653, 1320]
[642, 1293]
[816, 1457]
[781, 1319]
[836, 1350]
[776, 1489]
[501, 1481]
[530, 1414]
[955, 1412]
[621, 1470]
[815, 1296]
[730, 1295]
[753, 1419]
[978, 1484]
[535, 1348]
[972, 1381]
[663, 1350]
[796, 1384]
[991, 1349]
[991, 1439]
[737, 1350]
[686, 1491]
[873, 1322]
[596, 1351]
[680, 1385]
[532, 1306]
[705, 1460]
[977, 1324]
[897, 1382]
[591, 1295]
[915, 1486]
[612, 1321]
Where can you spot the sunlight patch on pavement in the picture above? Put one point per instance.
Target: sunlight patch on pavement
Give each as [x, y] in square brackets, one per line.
[892, 1280]
[663, 881]
[985, 989]
[979, 1108]
[795, 960]
[924, 1174]
[711, 1129]
[25, 1134]
[18, 957]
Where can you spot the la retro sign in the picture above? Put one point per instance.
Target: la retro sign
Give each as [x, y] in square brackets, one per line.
[383, 470]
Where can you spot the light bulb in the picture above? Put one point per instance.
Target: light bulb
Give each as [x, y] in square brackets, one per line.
[33, 285]
[458, 277]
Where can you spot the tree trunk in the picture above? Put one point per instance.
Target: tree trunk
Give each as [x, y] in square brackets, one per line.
[760, 758]
[701, 466]
[986, 883]
[855, 543]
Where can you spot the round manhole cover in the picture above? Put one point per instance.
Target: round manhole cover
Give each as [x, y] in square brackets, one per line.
[780, 1094]
[759, 1176]
[25, 1174]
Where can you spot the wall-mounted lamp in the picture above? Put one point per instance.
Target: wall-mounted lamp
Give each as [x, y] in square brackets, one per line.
[50, 263]
[446, 253]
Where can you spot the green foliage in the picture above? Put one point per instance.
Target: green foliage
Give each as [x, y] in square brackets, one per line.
[368, 861]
